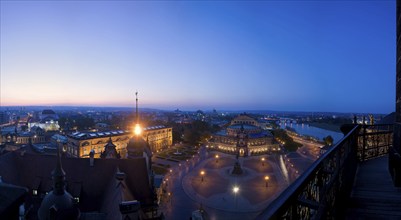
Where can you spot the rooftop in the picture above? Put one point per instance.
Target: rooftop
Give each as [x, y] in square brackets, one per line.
[89, 135]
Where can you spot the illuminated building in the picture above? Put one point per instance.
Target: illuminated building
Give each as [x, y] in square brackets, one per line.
[48, 121]
[158, 137]
[244, 137]
[80, 144]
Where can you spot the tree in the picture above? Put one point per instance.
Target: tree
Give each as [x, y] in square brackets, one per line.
[328, 140]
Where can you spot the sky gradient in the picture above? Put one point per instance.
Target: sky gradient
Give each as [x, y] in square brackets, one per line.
[260, 55]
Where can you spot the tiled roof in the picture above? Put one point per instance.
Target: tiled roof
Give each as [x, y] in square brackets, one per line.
[89, 135]
[93, 180]
[154, 127]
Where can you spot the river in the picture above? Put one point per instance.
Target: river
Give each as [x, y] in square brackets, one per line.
[304, 129]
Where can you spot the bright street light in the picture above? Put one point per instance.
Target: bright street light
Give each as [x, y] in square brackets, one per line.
[236, 190]
[266, 179]
[263, 161]
[202, 174]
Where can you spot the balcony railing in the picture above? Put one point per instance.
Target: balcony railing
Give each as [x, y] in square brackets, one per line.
[321, 191]
[374, 141]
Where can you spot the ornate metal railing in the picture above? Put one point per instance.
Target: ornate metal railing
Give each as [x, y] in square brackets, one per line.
[374, 141]
[318, 192]
[322, 191]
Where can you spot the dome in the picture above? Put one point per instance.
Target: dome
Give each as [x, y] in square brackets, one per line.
[234, 129]
[58, 204]
[63, 204]
[137, 146]
[245, 126]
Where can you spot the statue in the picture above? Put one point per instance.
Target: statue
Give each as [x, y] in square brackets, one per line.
[237, 170]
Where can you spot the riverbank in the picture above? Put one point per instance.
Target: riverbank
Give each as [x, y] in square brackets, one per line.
[326, 126]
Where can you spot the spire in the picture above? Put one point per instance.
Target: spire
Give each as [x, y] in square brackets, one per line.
[136, 113]
[58, 176]
[110, 150]
[137, 128]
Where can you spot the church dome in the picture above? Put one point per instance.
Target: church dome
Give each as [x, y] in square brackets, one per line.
[63, 204]
[58, 204]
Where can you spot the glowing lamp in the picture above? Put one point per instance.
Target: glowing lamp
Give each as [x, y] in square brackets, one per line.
[137, 129]
[235, 189]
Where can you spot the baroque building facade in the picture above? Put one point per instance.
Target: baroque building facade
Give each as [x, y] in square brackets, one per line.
[243, 137]
[80, 144]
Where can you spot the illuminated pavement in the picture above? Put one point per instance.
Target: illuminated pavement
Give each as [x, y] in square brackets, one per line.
[215, 192]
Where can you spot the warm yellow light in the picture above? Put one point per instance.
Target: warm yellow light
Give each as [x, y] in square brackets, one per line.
[266, 178]
[263, 159]
[137, 129]
[202, 173]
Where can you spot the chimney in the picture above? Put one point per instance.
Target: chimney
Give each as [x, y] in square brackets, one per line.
[92, 158]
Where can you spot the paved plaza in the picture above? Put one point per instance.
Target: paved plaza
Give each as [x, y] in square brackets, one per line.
[216, 188]
[213, 190]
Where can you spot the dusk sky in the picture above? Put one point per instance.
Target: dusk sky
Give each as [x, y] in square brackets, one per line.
[228, 55]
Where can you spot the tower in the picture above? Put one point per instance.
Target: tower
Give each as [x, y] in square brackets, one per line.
[58, 204]
[137, 146]
[110, 151]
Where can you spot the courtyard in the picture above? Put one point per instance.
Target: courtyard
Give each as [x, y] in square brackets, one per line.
[206, 181]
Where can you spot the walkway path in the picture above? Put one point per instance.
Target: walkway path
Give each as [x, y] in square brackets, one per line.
[373, 195]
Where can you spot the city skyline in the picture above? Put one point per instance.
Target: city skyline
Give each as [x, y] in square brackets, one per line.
[294, 56]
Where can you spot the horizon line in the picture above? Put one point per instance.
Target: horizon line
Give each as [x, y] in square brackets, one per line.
[193, 109]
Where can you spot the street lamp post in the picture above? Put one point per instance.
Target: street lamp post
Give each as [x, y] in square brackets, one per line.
[236, 190]
[217, 158]
[169, 198]
[263, 161]
[267, 179]
[202, 173]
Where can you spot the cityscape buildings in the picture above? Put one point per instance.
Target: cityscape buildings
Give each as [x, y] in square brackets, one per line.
[72, 162]
[244, 137]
